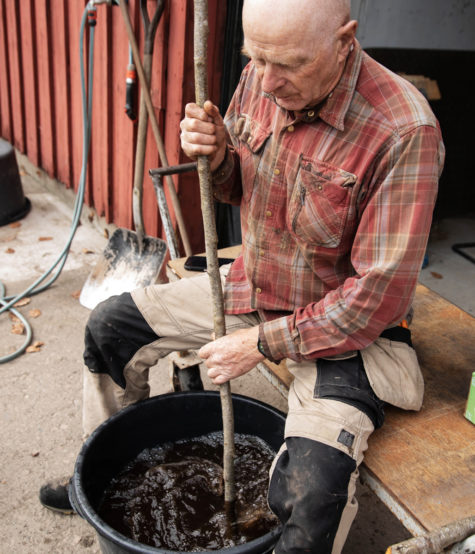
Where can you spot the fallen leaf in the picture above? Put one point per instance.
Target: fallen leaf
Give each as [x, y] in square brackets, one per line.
[13, 317]
[436, 275]
[8, 238]
[10, 251]
[106, 233]
[87, 251]
[22, 302]
[35, 454]
[76, 294]
[41, 239]
[90, 216]
[34, 313]
[18, 328]
[21, 173]
[15, 224]
[35, 347]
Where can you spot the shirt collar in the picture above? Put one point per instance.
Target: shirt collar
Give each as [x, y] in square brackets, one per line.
[334, 110]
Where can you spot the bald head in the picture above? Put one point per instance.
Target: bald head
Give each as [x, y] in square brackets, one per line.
[298, 47]
[313, 20]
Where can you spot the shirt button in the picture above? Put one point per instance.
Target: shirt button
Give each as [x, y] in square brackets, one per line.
[311, 113]
[319, 187]
[258, 290]
[268, 213]
[276, 171]
[261, 252]
[249, 139]
[290, 128]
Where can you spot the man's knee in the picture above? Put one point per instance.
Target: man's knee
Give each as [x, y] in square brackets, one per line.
[308, 491]
[115, 331]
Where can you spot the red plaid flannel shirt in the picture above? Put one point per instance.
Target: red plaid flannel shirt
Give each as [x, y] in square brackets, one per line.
[336, 206]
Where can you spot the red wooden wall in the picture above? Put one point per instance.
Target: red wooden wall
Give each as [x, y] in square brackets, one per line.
[40, 99]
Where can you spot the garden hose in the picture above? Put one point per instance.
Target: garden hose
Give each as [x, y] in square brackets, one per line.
[7, 302]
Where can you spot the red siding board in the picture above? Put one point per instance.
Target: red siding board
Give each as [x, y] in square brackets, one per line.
[30, 79]
[61, 91]
[74, 14]
[158, 94]
[101, 115]
[6, 129]
[123, 129]
[45, 86]
[16, 80]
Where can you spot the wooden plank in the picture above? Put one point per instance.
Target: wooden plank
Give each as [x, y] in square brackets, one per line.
[6, 125]
[45, 87]
[122, 139]
[16, 78]
[102, 115]
[73, 17]
[426, 460]
[61, 91]
[30, 78]
[158, 95]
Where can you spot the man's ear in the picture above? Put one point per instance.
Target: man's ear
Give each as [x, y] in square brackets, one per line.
[346, 35]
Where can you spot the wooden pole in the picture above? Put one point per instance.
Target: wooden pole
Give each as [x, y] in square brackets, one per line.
[211, 242]
[154, 124]
[438, 540]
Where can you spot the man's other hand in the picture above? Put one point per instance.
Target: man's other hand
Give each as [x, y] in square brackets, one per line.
[203, 133]
[232, 355]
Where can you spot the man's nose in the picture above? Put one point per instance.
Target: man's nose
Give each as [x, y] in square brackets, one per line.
[272, 80]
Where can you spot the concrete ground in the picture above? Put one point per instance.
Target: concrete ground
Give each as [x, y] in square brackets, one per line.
[40, 423]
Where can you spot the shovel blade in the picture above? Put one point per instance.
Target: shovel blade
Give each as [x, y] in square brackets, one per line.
[127, 263]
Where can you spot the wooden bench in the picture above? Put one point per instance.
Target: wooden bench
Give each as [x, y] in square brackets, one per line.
[421, 465]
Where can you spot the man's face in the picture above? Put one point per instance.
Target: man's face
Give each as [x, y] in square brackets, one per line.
[298, 76]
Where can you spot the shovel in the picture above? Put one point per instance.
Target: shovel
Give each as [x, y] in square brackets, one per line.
[130, 259]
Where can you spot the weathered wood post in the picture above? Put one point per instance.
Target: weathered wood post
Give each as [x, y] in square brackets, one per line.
[211, 241]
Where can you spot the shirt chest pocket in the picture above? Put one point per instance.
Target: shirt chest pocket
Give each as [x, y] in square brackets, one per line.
[320, 203]
[251, 139]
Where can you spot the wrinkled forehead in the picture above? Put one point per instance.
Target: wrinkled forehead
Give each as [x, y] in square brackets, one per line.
[279, 20]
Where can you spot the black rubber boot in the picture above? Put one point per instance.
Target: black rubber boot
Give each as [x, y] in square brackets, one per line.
[55, 496]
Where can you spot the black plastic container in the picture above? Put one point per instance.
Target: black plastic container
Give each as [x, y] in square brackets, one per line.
[169, 417]
[13, 203]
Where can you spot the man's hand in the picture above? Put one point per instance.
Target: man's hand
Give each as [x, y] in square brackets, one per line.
[203, 133]
[232, 355]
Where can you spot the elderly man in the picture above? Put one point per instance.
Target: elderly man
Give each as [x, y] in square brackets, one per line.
[334, 161]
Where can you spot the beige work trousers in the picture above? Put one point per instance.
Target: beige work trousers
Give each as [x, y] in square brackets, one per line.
[180, 313]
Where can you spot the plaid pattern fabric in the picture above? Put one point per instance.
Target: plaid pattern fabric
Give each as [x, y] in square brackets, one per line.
[336, 206]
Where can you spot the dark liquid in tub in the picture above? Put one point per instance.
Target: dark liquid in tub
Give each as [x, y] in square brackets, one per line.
[172, 497]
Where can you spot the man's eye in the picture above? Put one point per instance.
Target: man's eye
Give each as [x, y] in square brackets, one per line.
[259, 62]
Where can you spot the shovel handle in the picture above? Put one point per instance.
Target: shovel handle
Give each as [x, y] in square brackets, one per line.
[154, 125]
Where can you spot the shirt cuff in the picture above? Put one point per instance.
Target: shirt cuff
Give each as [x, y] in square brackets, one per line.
[277, 341]
[225, 169]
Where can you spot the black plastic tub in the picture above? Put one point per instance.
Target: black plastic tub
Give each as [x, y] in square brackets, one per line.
[165, 418]
[13, 203]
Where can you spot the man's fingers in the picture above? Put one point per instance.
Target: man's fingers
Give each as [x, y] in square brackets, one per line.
[213, 111]
[204, 351]
[216, 377]
[198, 138]
[195, 112]
[194, 125]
